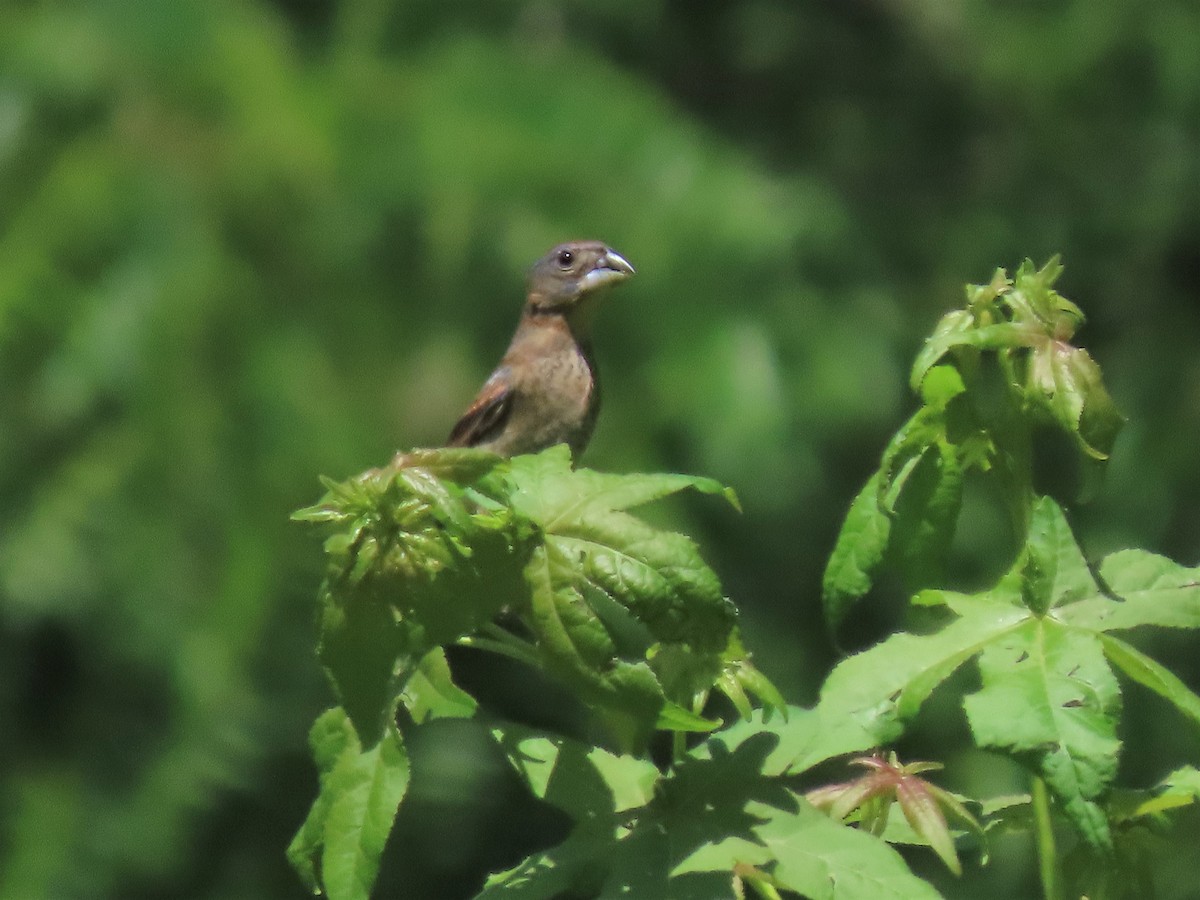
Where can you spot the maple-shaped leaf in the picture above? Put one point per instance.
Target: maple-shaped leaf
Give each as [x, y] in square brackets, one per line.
[889, 782]
[611, 595]
[1043, 638]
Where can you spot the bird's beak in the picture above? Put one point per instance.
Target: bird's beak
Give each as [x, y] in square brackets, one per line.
[610, 269]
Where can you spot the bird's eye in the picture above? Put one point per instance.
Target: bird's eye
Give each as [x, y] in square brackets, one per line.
[565, 258]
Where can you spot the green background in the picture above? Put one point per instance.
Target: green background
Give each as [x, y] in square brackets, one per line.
[246, 243]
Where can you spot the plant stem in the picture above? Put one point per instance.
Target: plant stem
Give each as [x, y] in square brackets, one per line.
[1047, 851]
[504, 643]
[678, 747]
[679, 738]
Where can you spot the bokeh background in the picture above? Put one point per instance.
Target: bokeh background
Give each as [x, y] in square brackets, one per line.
[246, 243]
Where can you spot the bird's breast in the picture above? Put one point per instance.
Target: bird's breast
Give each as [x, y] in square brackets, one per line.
[557, 402]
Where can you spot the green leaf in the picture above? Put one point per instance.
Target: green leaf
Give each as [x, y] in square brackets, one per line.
[802, 734]
[596, 788]
[868, 697]
[617, 563]
[1053, 570]
[601, 858]
[361, 790]
[686, 834]
[549, 491]
[739, 678]
[1144, 589]
[575, 868]
[1026, 326]
[1178, 790]
[673, 717]
[1181, 787]
[579, 650]
[941, 385]
[925, 513]
[866, 534]
[328, 738]
[607, 590]
[1049, 695]
[1153, 675]
[906, 513]
[860, 549]
[420, 561]
[1032, 299]
[586, 782]
[952, 330]
[807, 852]
[360, 643]
[430, 693]
[1001, 336]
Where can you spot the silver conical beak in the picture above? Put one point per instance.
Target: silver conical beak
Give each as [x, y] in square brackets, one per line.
[615, 261]
[611, 269]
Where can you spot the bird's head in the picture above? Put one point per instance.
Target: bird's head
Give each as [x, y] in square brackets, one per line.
[561, 280]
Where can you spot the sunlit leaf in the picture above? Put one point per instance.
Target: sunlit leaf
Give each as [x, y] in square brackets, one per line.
[1049, 695]
[430, 692]
[338, 848]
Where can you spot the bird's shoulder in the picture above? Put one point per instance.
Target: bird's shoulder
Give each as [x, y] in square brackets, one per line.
[488, 412]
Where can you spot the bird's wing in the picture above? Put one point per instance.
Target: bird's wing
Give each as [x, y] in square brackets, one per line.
[485, 417]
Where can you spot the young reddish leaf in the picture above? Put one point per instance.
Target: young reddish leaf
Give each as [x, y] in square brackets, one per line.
[921, 808]
[888, 782]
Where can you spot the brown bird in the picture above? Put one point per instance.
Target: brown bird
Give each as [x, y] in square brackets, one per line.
[545, 390]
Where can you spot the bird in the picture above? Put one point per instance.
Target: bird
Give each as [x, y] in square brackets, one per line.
[545, 391]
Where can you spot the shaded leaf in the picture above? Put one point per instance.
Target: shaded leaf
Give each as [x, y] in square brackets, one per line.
[861, 545]
[361, 642]
[807, 852]
[1153, 675]
[585, 782]
[926, 512]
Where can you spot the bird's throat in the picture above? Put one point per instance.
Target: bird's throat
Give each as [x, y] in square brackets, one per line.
[574, 321]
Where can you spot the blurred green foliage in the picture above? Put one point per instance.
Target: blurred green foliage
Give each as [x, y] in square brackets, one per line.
[244, 243]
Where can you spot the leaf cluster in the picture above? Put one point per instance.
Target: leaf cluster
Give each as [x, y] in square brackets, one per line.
[989, 375]
[723, 821]
[528, 557]
[1045, 636]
